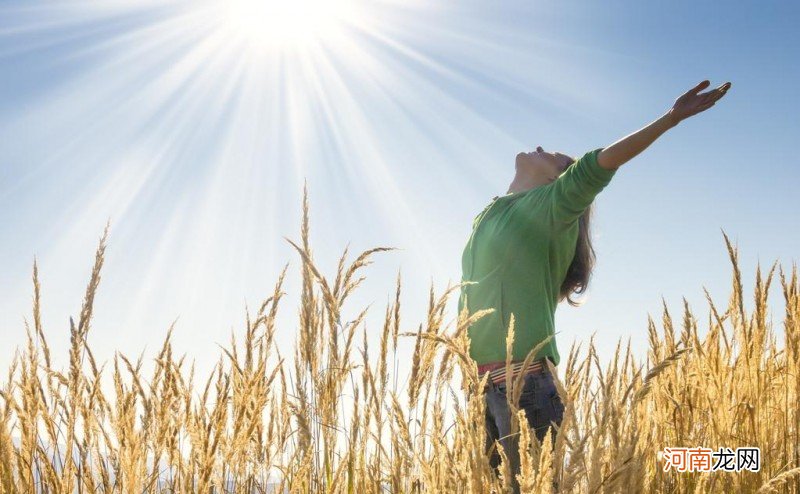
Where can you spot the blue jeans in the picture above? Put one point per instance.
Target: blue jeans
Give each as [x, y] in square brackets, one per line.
[541, 403]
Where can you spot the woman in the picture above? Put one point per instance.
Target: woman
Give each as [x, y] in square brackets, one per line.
[531, 249]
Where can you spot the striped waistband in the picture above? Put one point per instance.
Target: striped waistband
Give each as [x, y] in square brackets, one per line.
[497, 370]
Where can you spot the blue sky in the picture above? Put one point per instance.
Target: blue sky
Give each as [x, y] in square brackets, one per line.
[195, 138]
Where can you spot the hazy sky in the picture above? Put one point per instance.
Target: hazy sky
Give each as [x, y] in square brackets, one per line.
[193, 132]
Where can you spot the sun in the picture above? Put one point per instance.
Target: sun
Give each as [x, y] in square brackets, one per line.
[282, 24]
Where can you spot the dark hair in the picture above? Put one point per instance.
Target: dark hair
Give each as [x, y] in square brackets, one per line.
[580, 270]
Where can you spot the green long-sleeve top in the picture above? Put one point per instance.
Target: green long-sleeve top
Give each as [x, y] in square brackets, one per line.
[519, 251]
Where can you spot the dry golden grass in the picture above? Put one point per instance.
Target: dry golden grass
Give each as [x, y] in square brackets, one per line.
[334, 419]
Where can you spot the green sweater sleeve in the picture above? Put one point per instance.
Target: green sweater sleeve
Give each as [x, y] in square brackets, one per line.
[575, 189]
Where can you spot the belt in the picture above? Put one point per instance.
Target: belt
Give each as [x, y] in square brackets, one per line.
[497, 370]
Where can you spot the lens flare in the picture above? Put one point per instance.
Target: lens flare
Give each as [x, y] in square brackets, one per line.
[285, 24]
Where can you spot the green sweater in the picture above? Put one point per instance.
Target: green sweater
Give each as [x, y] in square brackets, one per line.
[518, 253]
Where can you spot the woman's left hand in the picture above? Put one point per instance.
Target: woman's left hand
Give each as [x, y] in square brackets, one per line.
[693, 102]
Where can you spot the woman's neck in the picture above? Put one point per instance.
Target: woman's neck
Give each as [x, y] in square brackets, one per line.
[523, 183]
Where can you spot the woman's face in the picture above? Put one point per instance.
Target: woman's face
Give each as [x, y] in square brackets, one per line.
[543, 164]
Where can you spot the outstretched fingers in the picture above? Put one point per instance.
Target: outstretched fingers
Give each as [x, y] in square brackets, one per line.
[715, 94]
[699, 87]
[708, 99]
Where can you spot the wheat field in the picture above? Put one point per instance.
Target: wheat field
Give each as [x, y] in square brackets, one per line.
[327, 418]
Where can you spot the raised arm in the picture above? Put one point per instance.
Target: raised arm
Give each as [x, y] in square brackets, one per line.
[688, 104]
